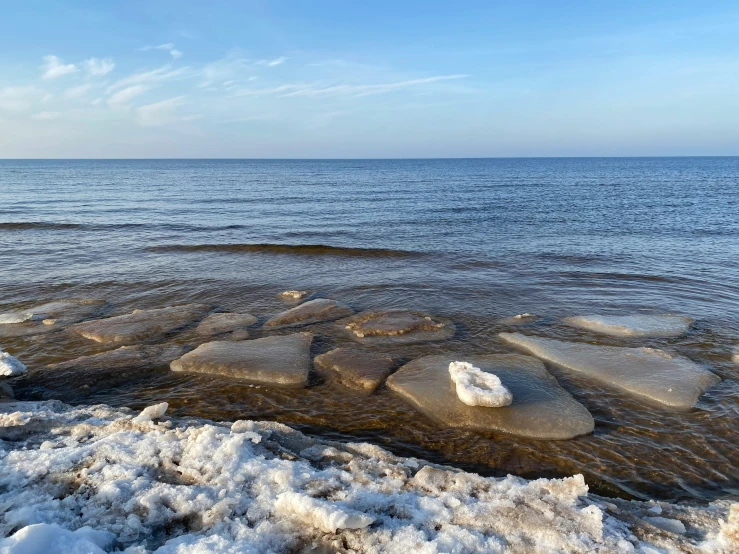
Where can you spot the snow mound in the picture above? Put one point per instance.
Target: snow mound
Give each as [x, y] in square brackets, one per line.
[49, 538]
[10, 366]
[638, 325]
[479, 388]
[648, 373]
[111, 484]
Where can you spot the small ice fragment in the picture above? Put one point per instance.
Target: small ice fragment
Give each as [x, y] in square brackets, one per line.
[522, 316]
[10, 366]
[667, 524]
[735, 357]
[14, 317]
[656, 509]
[479, 388]
[293, 294]
[152, 412]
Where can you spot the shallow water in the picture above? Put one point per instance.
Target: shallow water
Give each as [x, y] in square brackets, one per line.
[475, 241]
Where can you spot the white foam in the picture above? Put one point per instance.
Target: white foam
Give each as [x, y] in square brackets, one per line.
[636, 325]
[479, 388]
[11, 366]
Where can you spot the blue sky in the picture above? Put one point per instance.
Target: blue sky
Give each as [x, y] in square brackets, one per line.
[368, 79]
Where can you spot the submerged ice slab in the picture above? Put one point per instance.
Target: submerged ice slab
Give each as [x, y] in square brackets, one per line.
[10, 366]
[638, 325]
[647, 373]
[397, 326]
[313, 311]
[142, 325]
[216, 324]
[475, 387]
[356, 367]
[46, 318]
[282, 361]
[188, 486]
[541, 409]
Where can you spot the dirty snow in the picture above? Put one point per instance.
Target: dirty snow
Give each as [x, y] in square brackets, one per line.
[93, 479]
[479, 388]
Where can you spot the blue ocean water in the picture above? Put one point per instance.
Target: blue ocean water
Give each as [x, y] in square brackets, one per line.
[474, 240]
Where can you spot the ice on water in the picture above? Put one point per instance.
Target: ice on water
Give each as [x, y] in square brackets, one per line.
[10, 366]
[280, 361]
[648, 373]
[636, 325]
[313, 311]
[479, 388]
[540, 408]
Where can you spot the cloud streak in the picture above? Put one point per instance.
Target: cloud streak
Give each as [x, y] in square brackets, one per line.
[272, 63]
[122, 98]
[169, 47]
[159, 113]
[54, 68]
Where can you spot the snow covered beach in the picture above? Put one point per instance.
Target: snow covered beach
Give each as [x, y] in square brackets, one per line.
[93, 479]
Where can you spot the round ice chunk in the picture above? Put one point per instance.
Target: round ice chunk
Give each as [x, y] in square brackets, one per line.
[638, 325]
[479, 388]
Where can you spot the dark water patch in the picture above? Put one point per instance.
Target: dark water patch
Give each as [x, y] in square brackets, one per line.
[296, 249]
[25, 225]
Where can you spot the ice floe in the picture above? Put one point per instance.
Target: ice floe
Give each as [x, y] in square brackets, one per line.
[220, 323]
[540, 408]
[10, 366]
[637, 325]
[109, 483]
[281, 361]
[142, 325]
[313, 311]
[397, 327]
[649, 373]
[293, 295]
[475, 387]
[46, 318]
[356, 367]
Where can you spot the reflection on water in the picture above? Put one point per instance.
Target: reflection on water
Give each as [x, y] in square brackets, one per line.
[493, 238]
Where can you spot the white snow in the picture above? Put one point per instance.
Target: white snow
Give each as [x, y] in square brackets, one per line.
[636, 325]
[189, 486]
[45, 538]
[479, 388]
[10, 366]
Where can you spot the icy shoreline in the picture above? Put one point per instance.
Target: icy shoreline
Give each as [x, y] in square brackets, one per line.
[98, 479]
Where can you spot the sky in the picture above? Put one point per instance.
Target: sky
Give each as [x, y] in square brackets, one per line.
[379, 79]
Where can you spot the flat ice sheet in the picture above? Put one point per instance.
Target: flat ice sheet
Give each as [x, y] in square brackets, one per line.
[638, 325]
[282, 361]
[648, 373]
[313, 311]
[541, 409]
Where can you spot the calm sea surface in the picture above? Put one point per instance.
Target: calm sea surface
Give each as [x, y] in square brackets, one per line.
[472, 240]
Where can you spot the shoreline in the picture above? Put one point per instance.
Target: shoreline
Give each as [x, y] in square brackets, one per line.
[105, 478]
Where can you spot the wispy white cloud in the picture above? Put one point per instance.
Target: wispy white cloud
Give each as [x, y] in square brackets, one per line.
[318, 91]
[46, 116]
[225, 69]
[169, 47]
[160, 113]
[163, 73]
[272, 63]
[97, 67]
[18, 99]
[54, 67]
[122, 98]
[78, 92]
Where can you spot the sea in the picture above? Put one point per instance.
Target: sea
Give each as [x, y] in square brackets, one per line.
[473, 240]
